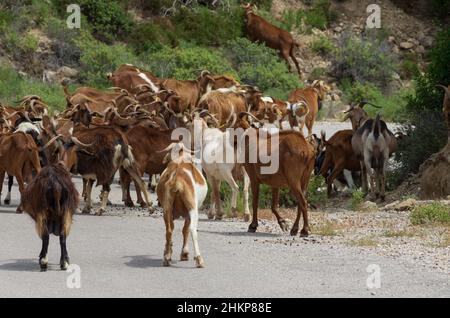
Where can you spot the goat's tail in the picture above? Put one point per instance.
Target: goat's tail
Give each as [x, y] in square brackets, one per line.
[376, 127]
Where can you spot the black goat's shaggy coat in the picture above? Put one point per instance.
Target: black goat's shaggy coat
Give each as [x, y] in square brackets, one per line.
[51, 200]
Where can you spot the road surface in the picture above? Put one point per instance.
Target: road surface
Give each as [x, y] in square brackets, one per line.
[120, 254]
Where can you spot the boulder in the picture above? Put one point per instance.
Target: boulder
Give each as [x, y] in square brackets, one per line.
[66, 71]
[406, 45]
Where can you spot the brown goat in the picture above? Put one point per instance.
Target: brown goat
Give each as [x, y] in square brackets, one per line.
[190, 92]
[313, 97]
[278, 39]
[296, 162]
[19, 155]
[338, 156]
[51, 200]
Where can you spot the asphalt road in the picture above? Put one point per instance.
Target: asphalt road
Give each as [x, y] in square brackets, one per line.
[120, 254]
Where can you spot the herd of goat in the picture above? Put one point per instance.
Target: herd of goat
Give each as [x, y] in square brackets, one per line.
[129, 129]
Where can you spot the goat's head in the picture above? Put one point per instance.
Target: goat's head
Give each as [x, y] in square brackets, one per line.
[321, 88]
[356, 114]
[224, 81]
[205, 81]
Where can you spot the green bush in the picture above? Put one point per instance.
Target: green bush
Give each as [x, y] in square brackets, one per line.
[203, 26]
[427, 133]
[322, 45]
[260, 66]
[320, 16]
[98, 59]
[431, 213]
[363, 60]
[150, 37]
[357, 199]
[13, 87]
[393, 106]
[291, 19]
[315, 194]
[186, 62]
[108, 18]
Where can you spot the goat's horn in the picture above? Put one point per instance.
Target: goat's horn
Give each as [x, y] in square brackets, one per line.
[447, 91]
[79, 143]
[51, 141]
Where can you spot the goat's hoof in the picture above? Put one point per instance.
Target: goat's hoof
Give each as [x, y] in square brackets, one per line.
[246, 217]
[294, 231]
[86, 210]
[382, 198]
[7, 202]
[283, 225]
[100, 211]
[64, 265]
[166, 262]
[184, 256]
[19, 210]
[234, 212]
[304, 233]
[43, 263]
[129, 204]
[199, 261]
[252, 228]
[143, 205]
[109, 203]
[210, 216]
[219, 217]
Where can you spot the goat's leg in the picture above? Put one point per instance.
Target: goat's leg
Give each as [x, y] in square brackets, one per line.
[139, 200]
[153, 183]
[125, 182]
[337, 169]
[169, 230]
[138, 180]
[285, 56]
[301, 209]
[43, 260]
[275, 202]
[185, 251]
[104, 199]
[2, 178]
[234, 192]
[88, 203]
[365, 185]
[246, 184]
[294, 59]
[255, 200]
[64, 262]
[8, 195]
[193, 215]
[84, 192]
[20, 182]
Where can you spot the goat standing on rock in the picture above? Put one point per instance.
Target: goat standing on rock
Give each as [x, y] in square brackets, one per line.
[51, 200]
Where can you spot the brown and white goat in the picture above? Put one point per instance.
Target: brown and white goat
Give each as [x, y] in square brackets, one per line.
[51, 200]
[181, 191]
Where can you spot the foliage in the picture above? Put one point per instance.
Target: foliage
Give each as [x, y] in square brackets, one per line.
[98, 59]
[260, 66]
[203, 26]
[431, 213]
[362, 60]
[322, 45]
[357, 199]
[393, 106]
[186, 62]
[13, 87]
[320, 16]
[427, 133]
[315, 193]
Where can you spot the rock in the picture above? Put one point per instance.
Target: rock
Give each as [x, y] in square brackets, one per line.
[427, 41]
[368, 206]
[66, 71]
[335, 97]
[391, 206]
[406, 45]
[49, 76]
[391, 39]
[420, 49]
[338, 29]
[406, 205]
[395, 49]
